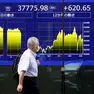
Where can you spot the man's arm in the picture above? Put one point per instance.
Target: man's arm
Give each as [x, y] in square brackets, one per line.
[21, 78]
[22, 68]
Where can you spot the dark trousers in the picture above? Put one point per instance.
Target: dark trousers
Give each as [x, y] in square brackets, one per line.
[30, 85]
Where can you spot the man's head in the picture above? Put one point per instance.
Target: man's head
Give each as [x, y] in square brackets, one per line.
[33, 44]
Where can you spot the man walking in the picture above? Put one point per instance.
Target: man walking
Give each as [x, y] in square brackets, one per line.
[28, 68]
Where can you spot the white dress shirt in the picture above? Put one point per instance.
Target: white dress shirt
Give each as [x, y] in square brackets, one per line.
[28, 64]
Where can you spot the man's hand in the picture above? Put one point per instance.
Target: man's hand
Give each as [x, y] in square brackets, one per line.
[19, 88]
[62, 68]
[38, 62]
